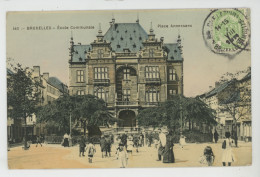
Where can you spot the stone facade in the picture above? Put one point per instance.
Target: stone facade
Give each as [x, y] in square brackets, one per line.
[128, 68]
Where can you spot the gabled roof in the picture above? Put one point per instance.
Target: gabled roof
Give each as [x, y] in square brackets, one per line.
[55, 82]
[174, 53]
[126, 35]
[218, 89]
[80, 51]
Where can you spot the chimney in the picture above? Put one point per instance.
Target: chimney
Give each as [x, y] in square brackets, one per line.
[36, 71]
[46, 76]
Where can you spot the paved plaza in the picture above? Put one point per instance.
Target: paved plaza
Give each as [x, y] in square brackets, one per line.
[56, 156]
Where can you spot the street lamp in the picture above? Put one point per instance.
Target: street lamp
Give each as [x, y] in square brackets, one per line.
[181, 115]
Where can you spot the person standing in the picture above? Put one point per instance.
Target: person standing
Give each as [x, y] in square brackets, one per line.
[130, 144]
[227, 155]
[168, 155]
[122, 156]
[91, 151]
[162, 143]
[103, 145]
[216, 136]
[82, 146]
[108, 143]
[38, 141]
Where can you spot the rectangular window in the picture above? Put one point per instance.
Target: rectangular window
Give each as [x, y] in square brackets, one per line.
[100, 53]
[172, 74]
[80, 92]
[172, 92]
[151, 53]
[126, 95]
[101, 73]
[152, 95]
[80, 76]
[126, 73]
[101, 93]
[152, 72]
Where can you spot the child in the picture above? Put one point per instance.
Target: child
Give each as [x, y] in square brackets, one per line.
[122, 156]
[182, 141]
[209, 155]
[91, 151]
[82, 146]
[130, 144]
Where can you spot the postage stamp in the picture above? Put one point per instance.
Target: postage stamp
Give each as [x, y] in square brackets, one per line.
[227, 31]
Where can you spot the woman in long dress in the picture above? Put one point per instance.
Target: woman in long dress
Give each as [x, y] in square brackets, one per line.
[122, 156]
[227, 155]
[168, 155]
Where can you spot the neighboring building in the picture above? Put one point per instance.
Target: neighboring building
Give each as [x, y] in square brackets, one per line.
[51, 88]
[128, 68]
[235, 95]
[245, 121]
[223, 118]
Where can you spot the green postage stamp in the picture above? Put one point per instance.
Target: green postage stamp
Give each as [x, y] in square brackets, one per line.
[227, 31]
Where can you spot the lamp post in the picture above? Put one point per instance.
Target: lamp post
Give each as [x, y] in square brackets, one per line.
[181, 115]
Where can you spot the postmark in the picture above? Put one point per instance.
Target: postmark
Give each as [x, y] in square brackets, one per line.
[227, 32]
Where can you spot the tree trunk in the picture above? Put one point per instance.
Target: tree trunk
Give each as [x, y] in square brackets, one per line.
[25, 135]
[189, 124]
[84, 127]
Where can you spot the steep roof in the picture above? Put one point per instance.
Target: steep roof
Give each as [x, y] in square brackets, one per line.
[174, 53]
[218, 89]
[55, 82]
[80, 51]
[126, 35]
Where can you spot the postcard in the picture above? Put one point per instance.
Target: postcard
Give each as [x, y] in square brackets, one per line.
[129, 88]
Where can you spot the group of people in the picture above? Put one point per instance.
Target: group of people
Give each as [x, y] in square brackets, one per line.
[89, 148]
[165, 149]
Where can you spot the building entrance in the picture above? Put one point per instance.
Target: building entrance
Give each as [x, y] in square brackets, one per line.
[128, 118]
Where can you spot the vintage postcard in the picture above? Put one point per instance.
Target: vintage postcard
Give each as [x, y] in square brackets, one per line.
[129, 88]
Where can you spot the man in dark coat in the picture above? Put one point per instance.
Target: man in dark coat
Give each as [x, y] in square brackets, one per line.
[103, 145]
[124, 139]
[216, 136]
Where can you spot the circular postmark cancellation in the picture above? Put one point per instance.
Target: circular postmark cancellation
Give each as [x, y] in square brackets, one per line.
[226, 32]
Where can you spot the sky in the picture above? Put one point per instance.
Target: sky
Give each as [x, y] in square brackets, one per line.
[49, 48]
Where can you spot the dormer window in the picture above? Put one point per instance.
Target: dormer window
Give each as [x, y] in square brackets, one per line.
[112, 38]
[76, 52]
[140, 38]
[175, 51]
[131, 38]
[118, 46]
[80, 59]
[134, 46]
[125, 31]
[134, 31]
[117, 31]
[121, 38]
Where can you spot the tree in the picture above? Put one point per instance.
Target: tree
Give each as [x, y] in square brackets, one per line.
[87, 110]
[174, 113]
[22, 94]
[235, 99]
